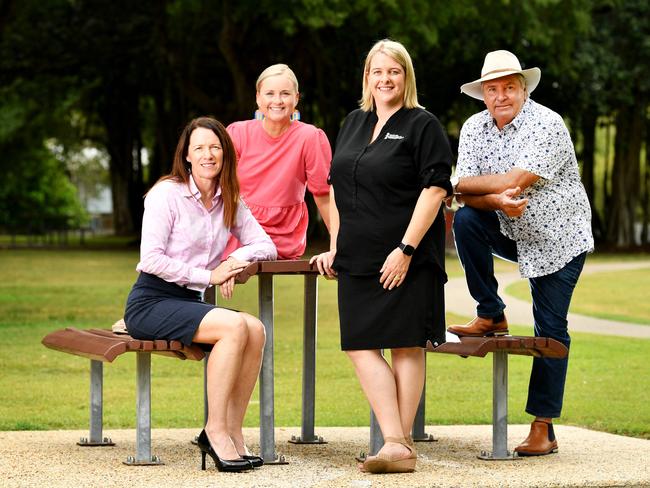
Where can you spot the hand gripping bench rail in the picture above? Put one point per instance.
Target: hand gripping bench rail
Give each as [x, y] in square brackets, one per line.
[102, 346]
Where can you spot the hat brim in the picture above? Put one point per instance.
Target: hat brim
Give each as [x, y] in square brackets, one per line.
[474, 90]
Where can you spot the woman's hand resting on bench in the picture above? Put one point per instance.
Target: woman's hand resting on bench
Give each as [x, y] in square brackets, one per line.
[224, 275]
[324, 262]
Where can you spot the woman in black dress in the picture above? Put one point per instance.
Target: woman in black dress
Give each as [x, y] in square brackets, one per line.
[389, 175]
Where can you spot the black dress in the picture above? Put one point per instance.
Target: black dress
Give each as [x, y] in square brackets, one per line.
[376, 187]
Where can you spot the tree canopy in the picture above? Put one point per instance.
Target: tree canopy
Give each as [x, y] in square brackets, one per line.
[126, 76]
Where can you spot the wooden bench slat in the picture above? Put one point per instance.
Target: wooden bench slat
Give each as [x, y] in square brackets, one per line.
[481, 346]
[298, 266]
[104, 345]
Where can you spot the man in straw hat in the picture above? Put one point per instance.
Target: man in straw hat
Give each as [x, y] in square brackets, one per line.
[518, 183]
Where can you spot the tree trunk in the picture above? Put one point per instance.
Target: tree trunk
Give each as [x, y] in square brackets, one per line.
[645, 237]
[588, 130]
[229, 38]
[626, 175]
[120, 117]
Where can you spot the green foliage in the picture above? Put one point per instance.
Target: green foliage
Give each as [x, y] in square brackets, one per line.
[121, 75]
[38, 196]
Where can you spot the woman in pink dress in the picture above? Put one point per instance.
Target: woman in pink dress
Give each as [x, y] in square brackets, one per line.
[278, 159]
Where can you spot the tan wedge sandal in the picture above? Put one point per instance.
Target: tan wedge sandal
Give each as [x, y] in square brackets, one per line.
[383, 463]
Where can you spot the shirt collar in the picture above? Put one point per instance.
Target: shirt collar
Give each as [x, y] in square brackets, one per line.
[191, 190]
[522, 115]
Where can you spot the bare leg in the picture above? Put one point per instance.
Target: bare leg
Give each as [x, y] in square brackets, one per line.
[378, 384]
[228, 331]
[243, 389]
[409, 371]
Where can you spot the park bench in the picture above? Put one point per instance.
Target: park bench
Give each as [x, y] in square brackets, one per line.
[101, 346]
[500, 347]
[85, 343]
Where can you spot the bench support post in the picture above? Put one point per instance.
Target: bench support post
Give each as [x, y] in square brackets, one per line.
[267, 420]
[143, 420]
[309, 364]
[376, 438]
[96, 408]
[499, 410]
[205, 387]
[417, 432]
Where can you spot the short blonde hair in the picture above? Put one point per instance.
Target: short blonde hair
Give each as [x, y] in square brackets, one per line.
[275, 70]
[398, 52]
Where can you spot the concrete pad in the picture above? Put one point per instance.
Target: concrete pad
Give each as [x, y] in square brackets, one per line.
[585, 458]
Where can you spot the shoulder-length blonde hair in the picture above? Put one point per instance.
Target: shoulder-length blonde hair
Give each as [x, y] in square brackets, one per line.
[275, 70]
[228, 174]
[398, 52]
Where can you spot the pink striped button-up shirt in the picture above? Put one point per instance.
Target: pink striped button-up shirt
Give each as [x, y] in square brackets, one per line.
[183, 241]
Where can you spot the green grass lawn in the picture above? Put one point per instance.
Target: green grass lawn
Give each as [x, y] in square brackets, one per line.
[40, 291]
[621, 295]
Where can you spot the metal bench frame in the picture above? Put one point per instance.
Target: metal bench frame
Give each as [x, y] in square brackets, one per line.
[103, 346]
[116, 345]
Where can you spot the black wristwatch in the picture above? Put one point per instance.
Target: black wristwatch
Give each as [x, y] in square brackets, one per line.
[406, 249]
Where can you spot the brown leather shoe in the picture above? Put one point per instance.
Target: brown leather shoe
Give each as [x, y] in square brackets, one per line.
[540, 441]
[480, 327]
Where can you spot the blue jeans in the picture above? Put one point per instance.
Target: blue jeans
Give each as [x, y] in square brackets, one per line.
[478, 238]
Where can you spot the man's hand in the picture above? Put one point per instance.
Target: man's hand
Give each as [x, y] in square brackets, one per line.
[509, 204]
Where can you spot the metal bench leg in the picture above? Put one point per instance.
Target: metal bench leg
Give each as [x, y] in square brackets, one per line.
[417, 432]
[499, 410]
[210, 296]
[267, 420]
[205, 387]
[96, 408]
[376, 438]
[143, 455]
[309, 365]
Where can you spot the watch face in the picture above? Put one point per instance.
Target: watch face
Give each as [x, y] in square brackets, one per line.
[406, 249]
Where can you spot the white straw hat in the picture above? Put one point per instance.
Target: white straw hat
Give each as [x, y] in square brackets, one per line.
[498, 64]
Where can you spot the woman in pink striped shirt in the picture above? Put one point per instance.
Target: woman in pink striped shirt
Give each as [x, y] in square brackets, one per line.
[189, 216]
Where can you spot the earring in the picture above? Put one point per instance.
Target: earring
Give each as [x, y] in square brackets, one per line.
[258, 115]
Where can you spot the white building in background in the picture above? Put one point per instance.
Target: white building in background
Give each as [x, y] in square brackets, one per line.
[100, 209]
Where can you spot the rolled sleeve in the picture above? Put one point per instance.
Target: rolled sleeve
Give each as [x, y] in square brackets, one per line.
[433, 156]
[468, 163]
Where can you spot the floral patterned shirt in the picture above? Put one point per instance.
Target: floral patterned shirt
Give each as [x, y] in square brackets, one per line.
[556, 225]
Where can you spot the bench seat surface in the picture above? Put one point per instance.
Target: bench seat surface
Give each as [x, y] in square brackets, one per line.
[104, 345]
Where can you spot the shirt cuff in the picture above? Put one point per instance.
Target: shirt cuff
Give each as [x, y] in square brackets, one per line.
[200, 277]
[436, 179]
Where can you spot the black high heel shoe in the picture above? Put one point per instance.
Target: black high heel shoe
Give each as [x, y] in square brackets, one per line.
[228, 465]
[256, 461]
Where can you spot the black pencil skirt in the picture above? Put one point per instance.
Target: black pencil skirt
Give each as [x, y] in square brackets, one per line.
[158, 309]
[406, 316]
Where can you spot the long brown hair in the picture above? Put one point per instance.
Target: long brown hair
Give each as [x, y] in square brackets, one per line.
[228, 174]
